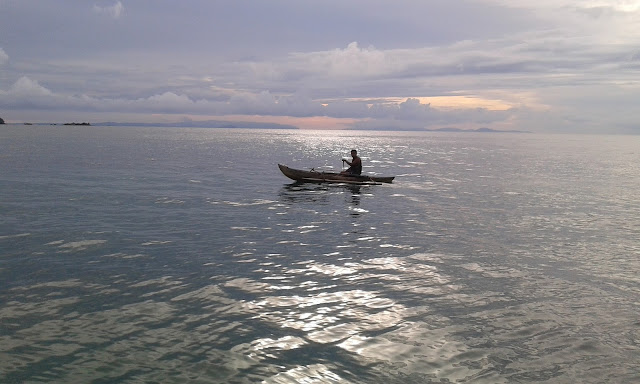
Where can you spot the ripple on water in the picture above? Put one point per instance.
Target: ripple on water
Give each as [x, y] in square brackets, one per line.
[77, 246]
[532, 276]
[312, 374]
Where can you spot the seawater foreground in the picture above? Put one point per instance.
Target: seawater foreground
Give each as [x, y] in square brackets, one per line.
[183, 255]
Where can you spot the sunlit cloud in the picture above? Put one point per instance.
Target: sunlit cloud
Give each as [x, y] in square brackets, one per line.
[450, 102]
[620, 5]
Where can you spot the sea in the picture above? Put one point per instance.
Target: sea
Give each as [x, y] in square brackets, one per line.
[183, 255]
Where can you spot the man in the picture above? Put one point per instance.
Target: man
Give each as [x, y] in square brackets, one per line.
[355, 165]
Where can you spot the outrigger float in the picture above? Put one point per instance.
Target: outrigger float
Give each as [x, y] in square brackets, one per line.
[313, 176]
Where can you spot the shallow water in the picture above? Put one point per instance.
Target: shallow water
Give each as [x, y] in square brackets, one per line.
[183, 255]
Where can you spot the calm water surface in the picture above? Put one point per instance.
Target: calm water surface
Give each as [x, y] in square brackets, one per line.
[156, 255]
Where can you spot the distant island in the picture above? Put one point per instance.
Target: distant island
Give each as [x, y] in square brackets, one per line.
[27, 123]
[488, 130]
[260, 125]
[443, 129]
[203, 124]
[184, 124]
[257, 125]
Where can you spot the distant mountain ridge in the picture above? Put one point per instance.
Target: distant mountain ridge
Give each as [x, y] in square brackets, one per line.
[263, 125]
[487, 130]
[257, 125]
[203, 124]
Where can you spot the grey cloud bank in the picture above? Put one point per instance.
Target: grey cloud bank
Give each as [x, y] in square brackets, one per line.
[565, 66]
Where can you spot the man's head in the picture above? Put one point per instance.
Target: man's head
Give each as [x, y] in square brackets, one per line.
[354, 153]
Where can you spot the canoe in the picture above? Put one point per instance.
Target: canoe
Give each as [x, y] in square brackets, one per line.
[331, 177]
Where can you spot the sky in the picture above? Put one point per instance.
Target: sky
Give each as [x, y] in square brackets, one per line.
[563, 66]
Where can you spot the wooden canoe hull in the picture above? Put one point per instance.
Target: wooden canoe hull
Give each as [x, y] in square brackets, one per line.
[331, 177]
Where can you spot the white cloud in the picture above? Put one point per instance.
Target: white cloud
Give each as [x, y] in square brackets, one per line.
[619, 5]
[601, 20]
[114, 10]
[351, 61]
[4, 58]
[25, 87]
[169, 98]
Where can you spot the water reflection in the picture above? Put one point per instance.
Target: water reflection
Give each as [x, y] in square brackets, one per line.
[314, 192]
[318, 195]
[386, 317]
[453, 277]
[303, 192]
[376, 310]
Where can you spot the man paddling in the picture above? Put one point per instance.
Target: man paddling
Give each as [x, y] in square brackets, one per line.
[355, 165]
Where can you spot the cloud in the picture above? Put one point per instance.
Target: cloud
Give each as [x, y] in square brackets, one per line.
[619, 5]
[531, 54]
[366, 84]
[4, 58]
[28, 94]
[114, 10]
[380, 71]
[351, 61]
[25, 87]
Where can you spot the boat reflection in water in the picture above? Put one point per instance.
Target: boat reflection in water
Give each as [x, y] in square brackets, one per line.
[324, 194]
